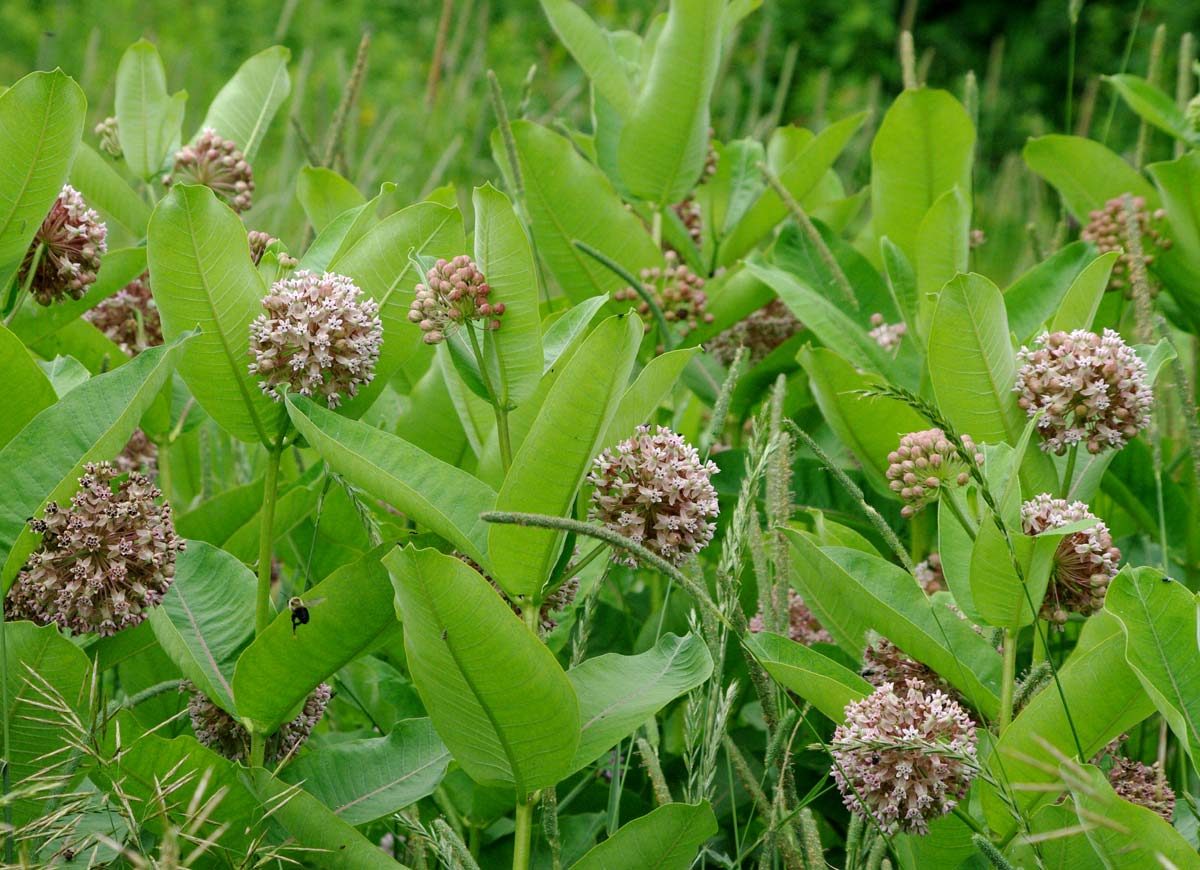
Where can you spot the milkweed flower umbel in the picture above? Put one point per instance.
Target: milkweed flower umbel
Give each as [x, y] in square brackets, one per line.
[803, 625]
[454, 293]
[220, 732]
[1091, 389]
[923, 465]
[1084, 562]
[904, 757]
[886, 335]
[316, 335]
[678, 292]
[129, 317]
[929, 574]
[72, 239]
[216, 163]
[104, 561]
[655, 490]
[1108, 230]
[760, 332]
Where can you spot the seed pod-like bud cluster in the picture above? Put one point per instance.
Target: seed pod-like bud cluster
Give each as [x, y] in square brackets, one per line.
[317, 336]
[110, 140]
[72, 239]
[886, 335]
[102, 563]
[923, 465]
[904, 757]
[929, 574]
[654, 489]
[1108, 230]
[1084, 562]
[259, 242]
[220, 732]
[454, 292]
[1092, 390]
[760, 333]
[678, 292]
[803, 626]
[129, 317]
[216, 163]
[1138, 783]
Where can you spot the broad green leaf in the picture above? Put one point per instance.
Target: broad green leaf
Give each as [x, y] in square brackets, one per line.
[28, 392]
[107, 192]
[1032, 299]
[38, 659]
[870, 427]
[496, 695]
[555, 456]
[1079, 306]
[441, 497]
[1125, 836]
[84, 342]
[852, 592]
[810, 158]
[364, 780]
[380, 263]
[1159, 619]
[41, 120]
[348, 611]
[924, 148]
[345, 230]
[65, 374]
[954, 548]
[570, 199]
[736, 186]
[144, 110]
[1179, 183]
[1066, 849]
[590, 47]
[244, 107]
[205, 617]
[815, 677]
[203, 276]
[559, 335]
[1085, 173]
[91, 423]
[1154, 107]
[942, 246]
[648, 391]
[665, 140]
[324, 195]
[502, 253]
[1022, 755]
[665, 839]
[617, 693]
[901, 280]
[971, 362]
[35, 322]
[292, 505]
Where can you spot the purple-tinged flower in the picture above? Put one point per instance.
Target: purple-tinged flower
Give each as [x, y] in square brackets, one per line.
[317, 336]
[1138, 783]
[678, 292]
[260, 241]
[760, 332]
[1084, 562]
[929, 574]
[886, 335]
[1108, 230]
[924, 465]
[129, 317]
[72, 239]
[803, 625]
[216, 163]
[140, 454]
[455, 292]
[220, 732]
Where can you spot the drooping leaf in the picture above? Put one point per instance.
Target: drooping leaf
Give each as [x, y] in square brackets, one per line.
[665, 839]
[28, 391]
[41, 120]
[495, 693]
[445, 499]
[242, 110]
[558, 451]
[205, 617]
[826, 684]
[91, 423]
[619, 693]
[1085, 173]
[203, 276]
[364, 780]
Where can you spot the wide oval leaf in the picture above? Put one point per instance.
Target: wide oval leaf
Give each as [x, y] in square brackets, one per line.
[242, 110]
[147, 121]
[28, 392]
[665, 839]
[815, 677]
[1085, 173]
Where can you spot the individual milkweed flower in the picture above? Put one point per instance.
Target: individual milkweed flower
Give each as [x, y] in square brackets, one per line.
[216, 163]
[1091, 389]
[317, 336]
[929, 574]
[1084, 562]
[110, 141]
[1108, 230]
[72, 239]
[886, 335]
[129, 317]
[455, 292]
[220, 732]
[654, 489]
[924, 465]
[678, 292]
[553, 604]
[1138, 783]
[760, 332]
[259, 242]
[103, 562]
[803, 625]
[904, 757]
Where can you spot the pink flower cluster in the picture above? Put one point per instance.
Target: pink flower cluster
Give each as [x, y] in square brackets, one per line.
[220, 732]
[73, 239]
[803, 626]
[216, 163]
[454, 292]
[923, 465]
[1084, 562]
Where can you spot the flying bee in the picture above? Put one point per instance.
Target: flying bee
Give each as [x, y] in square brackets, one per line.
[299, 608]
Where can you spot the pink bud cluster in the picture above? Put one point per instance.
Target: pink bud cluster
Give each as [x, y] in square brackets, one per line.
[886, 335]
[1142, 784]
[803, 625]
[1084, 562]
[220, 732]
[923, 465]
[129, 317]
[1108, 230]
[760, 333]
[216, 163]
[454, 293]
[72, 239]
[678, 292]
[259, 242]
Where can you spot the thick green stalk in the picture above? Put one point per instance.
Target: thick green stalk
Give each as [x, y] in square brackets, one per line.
[1008, 678]
[262, 607]
[522, 835]
[1072, 455]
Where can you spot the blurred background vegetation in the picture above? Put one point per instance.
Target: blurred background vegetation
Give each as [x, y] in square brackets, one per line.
[801, 61]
